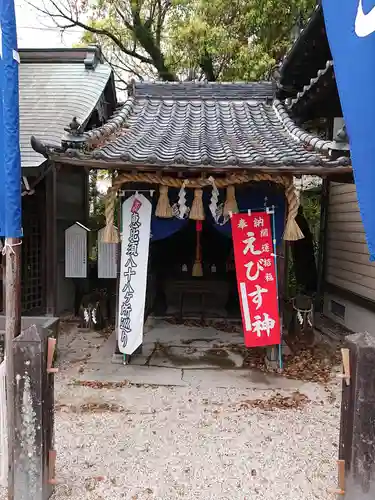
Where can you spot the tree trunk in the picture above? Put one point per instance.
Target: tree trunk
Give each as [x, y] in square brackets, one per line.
[146, 39]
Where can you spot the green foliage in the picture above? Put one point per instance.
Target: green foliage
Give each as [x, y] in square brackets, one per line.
[232, 39]
[311, 209]
[311, 204]
[222, 40]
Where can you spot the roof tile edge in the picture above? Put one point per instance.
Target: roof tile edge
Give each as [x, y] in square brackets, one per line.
[90, 56]
[300, 135]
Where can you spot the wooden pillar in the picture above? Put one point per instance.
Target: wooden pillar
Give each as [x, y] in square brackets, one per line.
[357, 431]
[28, 396]
[119, 222]
[51, 244]
[86, 197]
[12, 329]
[324, 205]
[34, 457]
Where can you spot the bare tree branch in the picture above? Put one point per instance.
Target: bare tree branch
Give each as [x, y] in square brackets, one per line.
[91, 29]
[118, 76]
[123, 19]
[67, 16]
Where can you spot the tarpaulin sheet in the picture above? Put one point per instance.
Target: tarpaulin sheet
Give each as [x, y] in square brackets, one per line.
[10, 158]
[350, 28]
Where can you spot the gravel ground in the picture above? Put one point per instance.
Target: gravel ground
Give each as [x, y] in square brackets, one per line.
[143, 443]
[169, 443]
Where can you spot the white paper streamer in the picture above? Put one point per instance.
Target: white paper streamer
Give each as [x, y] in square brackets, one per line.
[214, 198]
[217, 210]
[180, 209]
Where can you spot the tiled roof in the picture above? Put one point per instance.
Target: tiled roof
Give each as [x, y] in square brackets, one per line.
[52, 91]
[205, 90]
[307, 55]
[328, 69]
[197, 125]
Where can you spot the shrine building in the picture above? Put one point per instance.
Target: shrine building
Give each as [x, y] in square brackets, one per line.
[198, 152]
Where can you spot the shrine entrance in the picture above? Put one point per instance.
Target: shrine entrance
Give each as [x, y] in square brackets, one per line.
[191, 271]
[194, 274]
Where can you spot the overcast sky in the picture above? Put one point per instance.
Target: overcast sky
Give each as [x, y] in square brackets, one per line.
[36, 31]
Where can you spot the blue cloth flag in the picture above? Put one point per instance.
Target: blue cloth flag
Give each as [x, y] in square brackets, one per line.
[251, 197]
[350, 28]
[10, 158]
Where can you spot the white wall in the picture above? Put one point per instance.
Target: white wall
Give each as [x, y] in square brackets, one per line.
[357, 319]
[347, 259]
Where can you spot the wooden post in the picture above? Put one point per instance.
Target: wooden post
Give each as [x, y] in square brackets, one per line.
[12, 329]
[28, 413]
[51, 243]
[324, 204]
[120, 228]
[357, 430]
[3, 263]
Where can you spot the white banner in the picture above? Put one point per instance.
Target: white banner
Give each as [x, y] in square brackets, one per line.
[136, 228]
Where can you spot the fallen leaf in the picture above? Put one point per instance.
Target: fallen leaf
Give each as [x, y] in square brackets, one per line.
[295, 401]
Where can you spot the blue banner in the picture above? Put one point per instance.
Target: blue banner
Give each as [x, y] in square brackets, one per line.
[350, 28]
[10, 158]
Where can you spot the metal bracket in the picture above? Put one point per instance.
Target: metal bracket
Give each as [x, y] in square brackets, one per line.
[52, 467]
[122, 192]
[345, 353]
[50, 353]
[341, 479]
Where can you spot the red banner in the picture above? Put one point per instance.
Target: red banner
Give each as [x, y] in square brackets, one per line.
[256, 278]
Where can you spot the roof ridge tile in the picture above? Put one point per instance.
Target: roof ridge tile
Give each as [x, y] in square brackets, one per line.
[231, 133]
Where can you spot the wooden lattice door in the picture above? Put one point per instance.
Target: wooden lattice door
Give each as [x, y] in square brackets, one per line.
[32, 242]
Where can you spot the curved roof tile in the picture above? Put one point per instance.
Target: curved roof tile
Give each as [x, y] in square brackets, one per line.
[220, 125]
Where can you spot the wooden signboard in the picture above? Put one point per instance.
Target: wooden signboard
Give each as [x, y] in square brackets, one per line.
[76, 251]
[107, 257]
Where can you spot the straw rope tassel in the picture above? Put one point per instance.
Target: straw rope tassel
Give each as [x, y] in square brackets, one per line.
[230, 205]
[197, 210]
[163, 208]
[292, 231]
[110, 232]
